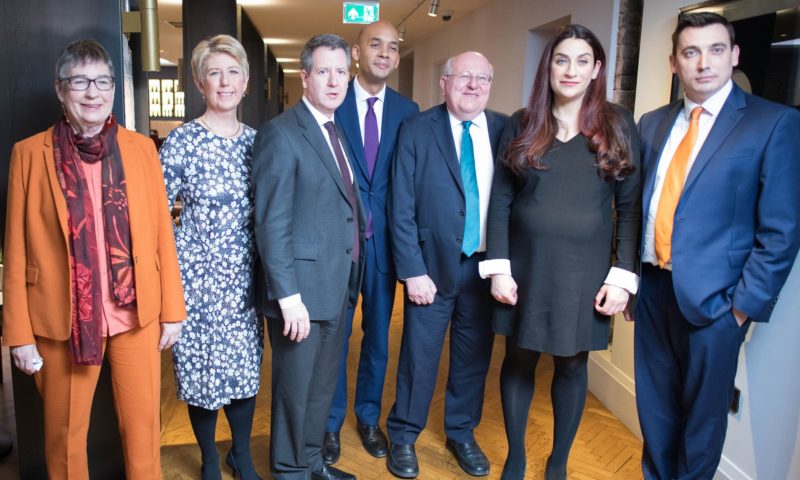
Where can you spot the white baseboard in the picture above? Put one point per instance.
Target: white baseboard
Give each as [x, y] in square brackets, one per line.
[728, 471]
[614, 389]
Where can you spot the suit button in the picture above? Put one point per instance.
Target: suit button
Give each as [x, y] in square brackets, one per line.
[371, 194]
[349, 251]
[349, 219]
[458, 240]
[461, 213]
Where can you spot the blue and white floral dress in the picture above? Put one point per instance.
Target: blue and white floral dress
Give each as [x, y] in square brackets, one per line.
[218, 357]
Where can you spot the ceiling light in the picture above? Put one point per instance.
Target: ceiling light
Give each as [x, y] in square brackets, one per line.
[434, 9]
[402, 32]
[287, 60]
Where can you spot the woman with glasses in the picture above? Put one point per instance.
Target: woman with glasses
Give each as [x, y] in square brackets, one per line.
[570, 160]
[91, 269]
[207, 164]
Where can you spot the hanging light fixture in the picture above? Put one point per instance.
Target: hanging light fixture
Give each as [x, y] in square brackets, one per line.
[434, 8]
[402, 32]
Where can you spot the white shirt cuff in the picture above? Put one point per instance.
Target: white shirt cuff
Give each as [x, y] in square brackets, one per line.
[290, 301]
[497, 266]
[623, 279]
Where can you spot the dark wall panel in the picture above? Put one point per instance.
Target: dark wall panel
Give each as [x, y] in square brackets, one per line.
[253, 106]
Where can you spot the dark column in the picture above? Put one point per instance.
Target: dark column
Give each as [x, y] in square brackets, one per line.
[628, 36]
[253, 106]
[203, 19]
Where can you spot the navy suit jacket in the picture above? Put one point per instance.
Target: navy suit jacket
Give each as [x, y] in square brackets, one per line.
[736, 230]
[427, 198]
[375, 190]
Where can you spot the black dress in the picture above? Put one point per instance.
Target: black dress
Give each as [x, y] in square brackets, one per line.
[556, 228]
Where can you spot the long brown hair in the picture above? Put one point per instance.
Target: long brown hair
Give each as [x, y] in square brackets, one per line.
[598, 121]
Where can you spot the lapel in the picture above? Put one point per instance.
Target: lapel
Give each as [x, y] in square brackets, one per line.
[55, 188]
[732, 111]
[390, 124]
[495, 124]
[443, 134]
[347, 115]
[133, 167]
[313, 135]
[650, 162]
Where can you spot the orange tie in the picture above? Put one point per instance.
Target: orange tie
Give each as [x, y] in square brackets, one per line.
[671, 191]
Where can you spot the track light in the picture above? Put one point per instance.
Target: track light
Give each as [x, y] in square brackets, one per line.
[434, 8]
[402, 32]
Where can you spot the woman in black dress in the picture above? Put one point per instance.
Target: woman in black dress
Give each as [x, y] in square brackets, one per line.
[570, 160]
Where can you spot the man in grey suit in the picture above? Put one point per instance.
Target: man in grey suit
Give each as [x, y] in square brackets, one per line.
[309, 227]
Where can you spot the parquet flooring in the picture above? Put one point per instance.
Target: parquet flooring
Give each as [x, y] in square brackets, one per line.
[603, 449]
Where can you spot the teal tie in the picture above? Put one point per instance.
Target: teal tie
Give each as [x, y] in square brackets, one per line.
[472, 222]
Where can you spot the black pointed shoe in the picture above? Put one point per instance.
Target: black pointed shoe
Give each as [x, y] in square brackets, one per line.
[331, 473]
[331, 448]
[470, 457]
[373, 439]
[402, 461]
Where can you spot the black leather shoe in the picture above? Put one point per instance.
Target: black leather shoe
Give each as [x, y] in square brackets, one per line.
[470, 457]
[331, 473]
[402, 461]
[331, 448]
[373, 439]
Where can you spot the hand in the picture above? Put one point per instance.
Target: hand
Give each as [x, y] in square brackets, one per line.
[421, 290]
[739, 316]
[27, 358]
[296, 322]
[504, 289]
[610, 300]
[170, 333]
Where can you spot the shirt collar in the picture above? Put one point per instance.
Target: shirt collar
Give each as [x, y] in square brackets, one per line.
[320, 117]
[479, 121]
[714, 103]
[362, 95]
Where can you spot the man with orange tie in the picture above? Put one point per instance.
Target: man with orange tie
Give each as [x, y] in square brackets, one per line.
[721, 232]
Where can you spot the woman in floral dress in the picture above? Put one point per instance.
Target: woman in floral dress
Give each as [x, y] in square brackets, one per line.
[207, 164]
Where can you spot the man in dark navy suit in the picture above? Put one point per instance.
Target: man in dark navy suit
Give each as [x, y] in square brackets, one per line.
[441, 180]
[722, 228]
[370, 117]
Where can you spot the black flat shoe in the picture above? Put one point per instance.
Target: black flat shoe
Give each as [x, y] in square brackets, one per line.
[470, 457]
[331, 473]
[243, 470]
[331, 448]
[402, 461]
[373, 439]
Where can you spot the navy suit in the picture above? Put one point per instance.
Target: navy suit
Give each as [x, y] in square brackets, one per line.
[735, 237]
[379, 283]
[427, 224]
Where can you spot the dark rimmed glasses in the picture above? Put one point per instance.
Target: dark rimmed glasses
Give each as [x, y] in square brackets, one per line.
[81, 83]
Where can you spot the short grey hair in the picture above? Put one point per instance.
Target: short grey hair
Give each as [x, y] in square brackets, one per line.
[81, 52]
[329, 40]
[448, 66]
[218, 44]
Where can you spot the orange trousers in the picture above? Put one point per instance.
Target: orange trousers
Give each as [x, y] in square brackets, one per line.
[67, 391]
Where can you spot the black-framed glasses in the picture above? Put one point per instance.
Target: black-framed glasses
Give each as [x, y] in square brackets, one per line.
[81, 83]
[464, 78]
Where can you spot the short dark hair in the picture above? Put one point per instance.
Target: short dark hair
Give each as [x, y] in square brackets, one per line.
[700, 19]
[329, 40]
[79, 53]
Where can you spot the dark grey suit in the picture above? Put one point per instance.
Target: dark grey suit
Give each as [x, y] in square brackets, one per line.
[304, 232]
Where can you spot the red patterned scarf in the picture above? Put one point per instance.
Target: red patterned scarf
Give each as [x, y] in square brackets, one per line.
[86, 340]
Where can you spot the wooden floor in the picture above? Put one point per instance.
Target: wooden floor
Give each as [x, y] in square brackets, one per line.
[603, 449]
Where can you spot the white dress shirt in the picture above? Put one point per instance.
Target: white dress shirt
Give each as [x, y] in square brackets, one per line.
[484, 162]
[361, 105]
[711, 109]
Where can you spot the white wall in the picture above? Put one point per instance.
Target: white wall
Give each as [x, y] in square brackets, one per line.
[763, 440]
[500, 30]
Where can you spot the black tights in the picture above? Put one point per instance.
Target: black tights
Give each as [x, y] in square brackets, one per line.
[240, 418]
[568, 392]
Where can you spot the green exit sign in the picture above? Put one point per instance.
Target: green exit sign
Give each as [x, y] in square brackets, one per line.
[360, 12]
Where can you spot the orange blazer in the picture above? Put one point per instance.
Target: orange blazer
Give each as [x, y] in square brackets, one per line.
[36, 283]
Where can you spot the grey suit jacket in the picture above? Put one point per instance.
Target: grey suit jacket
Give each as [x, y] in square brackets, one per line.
[303, 219]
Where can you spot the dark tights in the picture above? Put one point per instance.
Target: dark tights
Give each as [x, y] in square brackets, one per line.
[568, 392]
[240, 418]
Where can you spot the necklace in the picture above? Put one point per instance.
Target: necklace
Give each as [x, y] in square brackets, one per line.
[215, 132]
